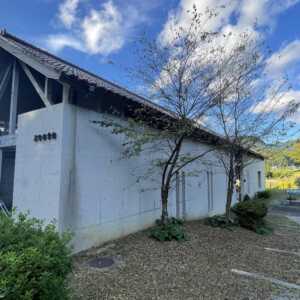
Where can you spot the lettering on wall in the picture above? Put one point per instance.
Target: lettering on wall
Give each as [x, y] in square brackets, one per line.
[45, 137]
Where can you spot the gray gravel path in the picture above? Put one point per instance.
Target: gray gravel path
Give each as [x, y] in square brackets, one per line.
[197, 269]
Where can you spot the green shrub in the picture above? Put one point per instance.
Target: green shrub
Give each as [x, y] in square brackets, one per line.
[34, 260]
[269, 174]
[263, 194]
[172, 230]
[297, 182]
[220, 221]
[217, 221]
[250, 214]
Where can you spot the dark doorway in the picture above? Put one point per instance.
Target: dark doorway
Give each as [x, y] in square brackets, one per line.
[7, 176]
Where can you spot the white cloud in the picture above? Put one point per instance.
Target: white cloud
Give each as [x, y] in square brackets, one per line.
[262, 12]
[236, 17]
[104, 31]
[248, 14]
[101, 30]
[67, 12]
[57, 42]
[284, 59]
[279, 104]
[181, 16]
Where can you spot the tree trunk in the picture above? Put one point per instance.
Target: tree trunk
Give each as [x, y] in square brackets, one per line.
[239, 177]
[166, 180]
[238, 174]
[230, 187]
[164, 203]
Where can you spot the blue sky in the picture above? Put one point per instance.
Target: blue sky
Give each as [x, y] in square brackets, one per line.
[91, 33]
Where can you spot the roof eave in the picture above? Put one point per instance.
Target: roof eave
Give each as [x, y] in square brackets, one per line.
[46, 71]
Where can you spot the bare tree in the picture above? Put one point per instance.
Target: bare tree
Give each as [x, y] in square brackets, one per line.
[254, 109]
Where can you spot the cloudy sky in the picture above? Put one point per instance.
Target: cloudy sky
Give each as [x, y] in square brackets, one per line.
[92, 33]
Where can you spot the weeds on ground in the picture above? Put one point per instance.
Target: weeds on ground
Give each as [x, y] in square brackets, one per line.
[220, 221]
[172, 230]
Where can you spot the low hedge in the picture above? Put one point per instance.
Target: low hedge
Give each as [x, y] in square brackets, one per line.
[34, 260]
[251, 214]
[266, 194]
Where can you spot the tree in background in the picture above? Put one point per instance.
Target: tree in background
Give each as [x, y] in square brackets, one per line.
[294, 153]
[297, 182]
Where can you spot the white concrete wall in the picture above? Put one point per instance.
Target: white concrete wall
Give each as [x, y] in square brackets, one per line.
[107, 202]
[250, 177]
[38, 164]
[81, 180]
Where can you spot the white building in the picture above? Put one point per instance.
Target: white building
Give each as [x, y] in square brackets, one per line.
[56, 164]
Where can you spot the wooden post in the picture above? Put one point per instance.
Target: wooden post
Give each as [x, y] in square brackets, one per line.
[66, 93]
[49, 89]
[5, 81]
[183, 196]
[208, 190]
[212, 189]
[177, 196]
[1, 156]
[36, 85]
[14, 99]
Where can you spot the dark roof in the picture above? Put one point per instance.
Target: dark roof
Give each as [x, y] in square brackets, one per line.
[66, 69]
[57, 68]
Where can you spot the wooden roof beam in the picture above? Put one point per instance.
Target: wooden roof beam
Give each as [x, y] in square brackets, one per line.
[5, 80]
[43, 94]
[14, 98]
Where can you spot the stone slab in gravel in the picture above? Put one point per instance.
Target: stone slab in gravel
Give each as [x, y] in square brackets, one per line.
[199, 268]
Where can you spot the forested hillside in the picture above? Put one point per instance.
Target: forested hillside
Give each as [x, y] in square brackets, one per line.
[283, 164]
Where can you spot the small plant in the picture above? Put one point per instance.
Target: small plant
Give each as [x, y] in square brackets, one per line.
[219, 221]
[171, 230]
[264, 230]
[269, 174]
[250, 214]
[34, 260]
[263, 194]
[246, 198]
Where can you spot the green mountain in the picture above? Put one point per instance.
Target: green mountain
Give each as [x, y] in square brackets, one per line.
[282, 155]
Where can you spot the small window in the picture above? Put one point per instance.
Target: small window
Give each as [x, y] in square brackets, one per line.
[259, 179]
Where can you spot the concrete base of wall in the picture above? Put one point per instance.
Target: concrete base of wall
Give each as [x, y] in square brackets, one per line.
[85, 238]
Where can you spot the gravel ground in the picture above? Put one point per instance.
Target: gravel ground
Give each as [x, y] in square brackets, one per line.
[199, 268]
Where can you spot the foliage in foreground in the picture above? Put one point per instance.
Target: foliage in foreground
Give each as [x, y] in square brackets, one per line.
[172, 230]
[34, 260]
[251, 214]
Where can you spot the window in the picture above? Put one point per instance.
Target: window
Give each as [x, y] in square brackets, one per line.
[259, 179]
